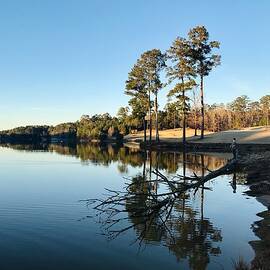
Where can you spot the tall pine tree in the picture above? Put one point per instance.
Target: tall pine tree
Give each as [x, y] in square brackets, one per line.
[203, 59]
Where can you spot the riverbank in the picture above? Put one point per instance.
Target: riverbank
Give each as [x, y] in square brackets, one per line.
[255, 139]
[255, 169]
[252, 135]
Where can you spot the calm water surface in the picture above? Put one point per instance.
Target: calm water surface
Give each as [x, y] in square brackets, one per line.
[44, 225]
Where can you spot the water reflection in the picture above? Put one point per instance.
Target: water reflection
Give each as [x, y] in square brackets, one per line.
[262, 246]
[182, 226]
[175, 222]
[183, 229]
[106, 154]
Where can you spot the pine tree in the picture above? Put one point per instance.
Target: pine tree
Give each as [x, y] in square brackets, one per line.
[203, 59]
[144, 80]
[181, 71]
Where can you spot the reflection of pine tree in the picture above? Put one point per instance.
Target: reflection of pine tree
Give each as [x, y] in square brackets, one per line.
[157, 207]
[107, 154]
[193, 238]
[190, 235]
[186, 232]
[147, 223]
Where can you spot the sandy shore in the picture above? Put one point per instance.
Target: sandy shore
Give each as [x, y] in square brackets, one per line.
[254, 135]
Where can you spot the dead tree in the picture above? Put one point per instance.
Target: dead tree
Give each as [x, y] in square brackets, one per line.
[141, 202]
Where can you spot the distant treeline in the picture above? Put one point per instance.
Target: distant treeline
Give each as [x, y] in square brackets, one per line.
[98, 127]
[240, 113]
[31, 134]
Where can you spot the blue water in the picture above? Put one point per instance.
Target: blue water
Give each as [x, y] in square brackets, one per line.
[44, 225]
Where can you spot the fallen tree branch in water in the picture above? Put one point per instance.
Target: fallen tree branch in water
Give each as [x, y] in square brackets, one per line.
[148, 202]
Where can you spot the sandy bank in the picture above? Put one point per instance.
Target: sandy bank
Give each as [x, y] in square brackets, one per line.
[254, 135]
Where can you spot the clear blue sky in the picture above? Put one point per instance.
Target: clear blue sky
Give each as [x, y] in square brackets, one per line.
[60, 59]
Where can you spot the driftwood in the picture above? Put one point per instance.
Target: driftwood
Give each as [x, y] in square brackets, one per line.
[159, 210]
[142, 201]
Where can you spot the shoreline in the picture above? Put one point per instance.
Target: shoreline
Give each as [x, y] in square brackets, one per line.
[253, 161]
[253, 139]
[196, 146]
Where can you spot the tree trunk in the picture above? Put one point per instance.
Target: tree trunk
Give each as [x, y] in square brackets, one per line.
[144, 164]
[184, 120]
[144, 129]
[150, 165]
[150, 117]
[184, 178]
[184, 165]
[195, 122]
[184, 115]
[195, 113]
[202, 109]
[202, 190]
[156, 112]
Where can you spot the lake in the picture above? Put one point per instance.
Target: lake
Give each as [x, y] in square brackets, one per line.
[47, 224]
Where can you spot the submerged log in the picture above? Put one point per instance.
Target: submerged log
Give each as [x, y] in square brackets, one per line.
[229, 168]
[146, 204]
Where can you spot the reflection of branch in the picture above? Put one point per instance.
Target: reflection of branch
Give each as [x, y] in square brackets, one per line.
[154, 210]
[145, 206]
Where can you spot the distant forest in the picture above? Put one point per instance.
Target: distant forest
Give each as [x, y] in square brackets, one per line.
[180, 71]
[240, 113]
